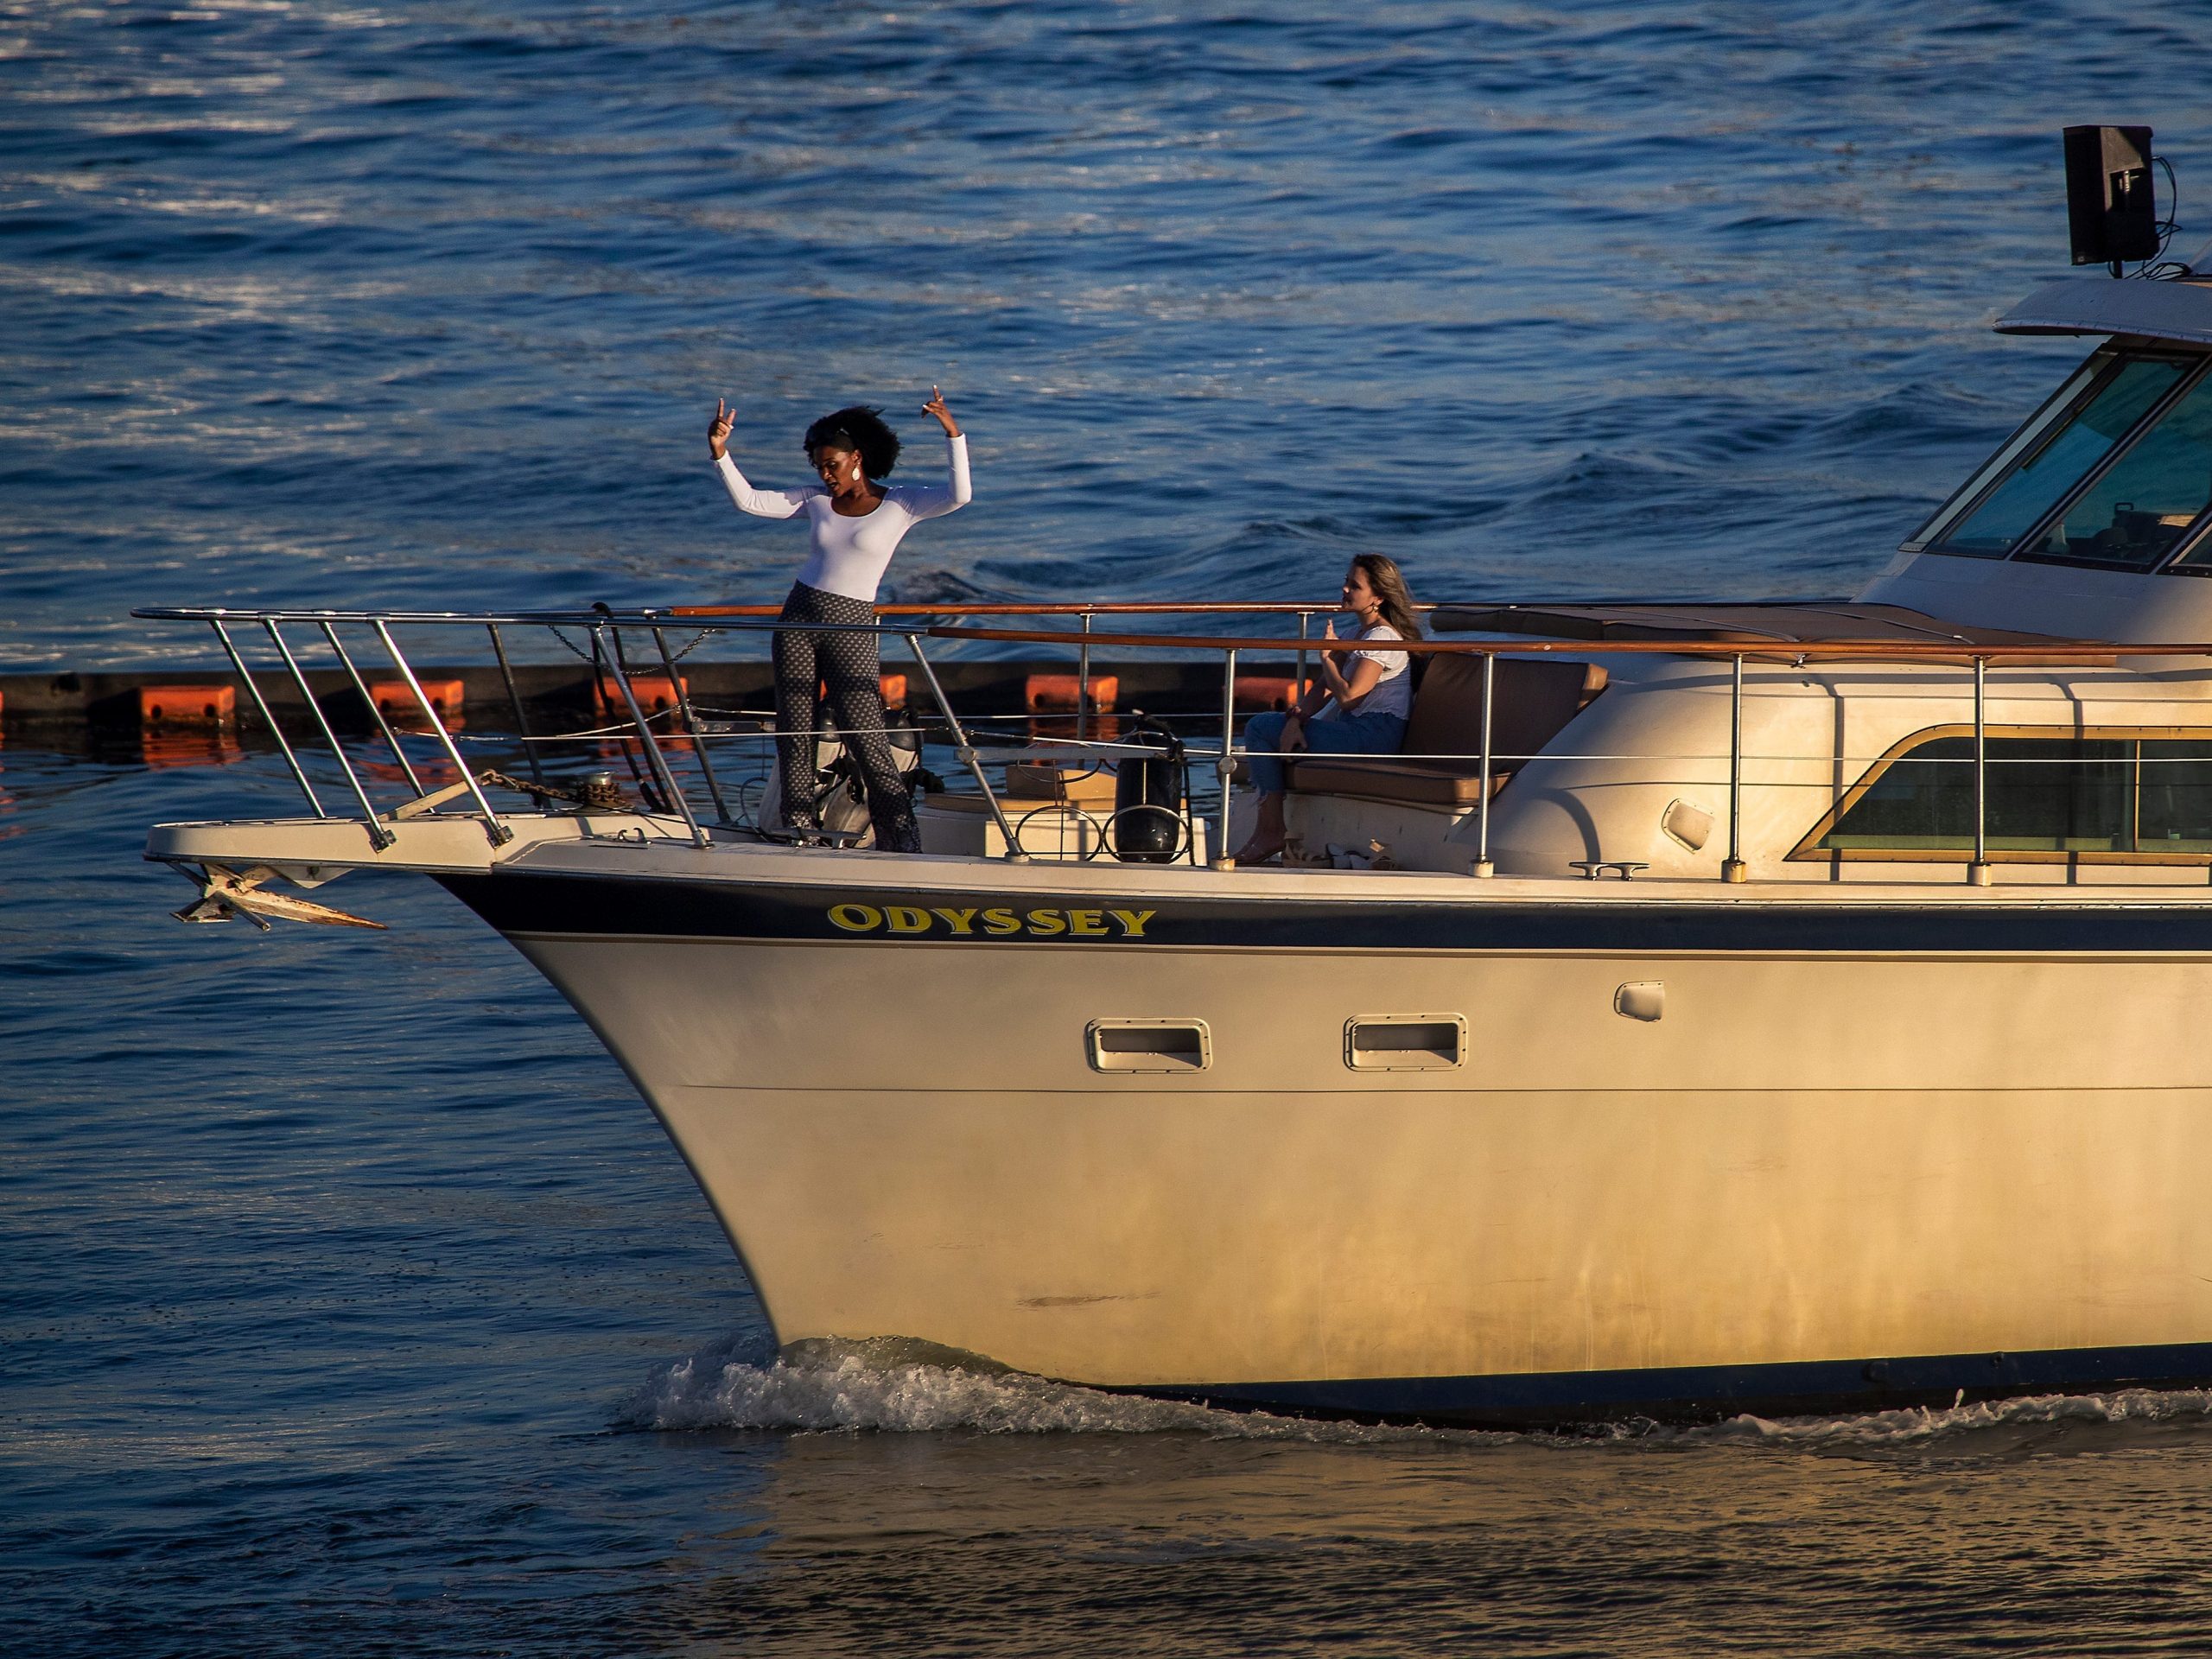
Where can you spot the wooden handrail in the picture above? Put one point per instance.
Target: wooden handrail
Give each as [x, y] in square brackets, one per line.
[1098, 608]
[2083, 651]
[1277, 607]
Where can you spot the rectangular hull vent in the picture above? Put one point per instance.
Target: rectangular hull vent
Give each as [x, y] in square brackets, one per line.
[1149, 1045]
[1405, 1042]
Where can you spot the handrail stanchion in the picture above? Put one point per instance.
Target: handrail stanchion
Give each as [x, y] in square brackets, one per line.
[267, 718]
[1083, 685]
[514, 703]
[1298, 674]
[498, 832]
[1733, 868]
[653, 756]
[966, 751]
[691, 725]
[375, 713]
[1482, 866]
[379, 837]
[1227, 764]
[1978, 873]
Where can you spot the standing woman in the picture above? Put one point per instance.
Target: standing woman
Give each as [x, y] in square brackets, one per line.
[856, 523]
[1360, 708]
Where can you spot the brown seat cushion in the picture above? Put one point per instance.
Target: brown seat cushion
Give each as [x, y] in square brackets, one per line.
[1535, 698]
[1431, 782]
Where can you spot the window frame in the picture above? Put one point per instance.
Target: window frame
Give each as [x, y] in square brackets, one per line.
[2194, 365]
[1810, 851]
[2187, 382]
[2090, 371]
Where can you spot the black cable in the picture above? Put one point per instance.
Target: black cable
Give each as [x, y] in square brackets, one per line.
[2158, 267]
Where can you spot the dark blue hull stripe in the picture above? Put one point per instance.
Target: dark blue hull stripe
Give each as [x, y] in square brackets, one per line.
[1711, 1393]
[517, 902]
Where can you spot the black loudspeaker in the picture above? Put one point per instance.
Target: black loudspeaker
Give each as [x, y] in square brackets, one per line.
[1148, 795]
[2112, 206]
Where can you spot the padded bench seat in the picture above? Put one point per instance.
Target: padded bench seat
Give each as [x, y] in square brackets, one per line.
[1430, 783]
[1536, 697]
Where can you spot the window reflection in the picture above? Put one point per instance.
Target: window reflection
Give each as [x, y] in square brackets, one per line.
[2134, 514]
[2043, 476]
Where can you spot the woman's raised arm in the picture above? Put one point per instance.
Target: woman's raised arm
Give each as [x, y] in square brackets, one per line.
[931, 500]
[761, 504]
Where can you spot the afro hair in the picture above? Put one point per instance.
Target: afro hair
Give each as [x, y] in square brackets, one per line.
[860, 428]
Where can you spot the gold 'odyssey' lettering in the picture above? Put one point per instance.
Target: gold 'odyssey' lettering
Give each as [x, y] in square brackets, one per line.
[997, 921]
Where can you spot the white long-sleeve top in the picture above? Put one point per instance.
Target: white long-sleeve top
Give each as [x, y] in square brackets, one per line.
[848, 555]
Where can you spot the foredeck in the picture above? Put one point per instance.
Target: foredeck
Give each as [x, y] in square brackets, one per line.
[431, 805]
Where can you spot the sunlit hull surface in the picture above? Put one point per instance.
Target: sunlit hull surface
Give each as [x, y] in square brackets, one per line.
[1874, 1152]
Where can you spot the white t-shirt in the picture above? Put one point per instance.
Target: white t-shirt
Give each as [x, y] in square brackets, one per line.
[1391, 695]
[846, 555]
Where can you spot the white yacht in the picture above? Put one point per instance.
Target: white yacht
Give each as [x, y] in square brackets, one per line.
[1719, 1008]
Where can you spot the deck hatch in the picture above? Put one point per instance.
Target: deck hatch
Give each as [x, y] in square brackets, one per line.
[1149, 1045]
[1405, 1042]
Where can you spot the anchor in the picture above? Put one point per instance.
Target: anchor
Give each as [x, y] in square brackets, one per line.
[225, 895]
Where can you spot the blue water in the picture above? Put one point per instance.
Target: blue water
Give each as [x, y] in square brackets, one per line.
[351, 1300]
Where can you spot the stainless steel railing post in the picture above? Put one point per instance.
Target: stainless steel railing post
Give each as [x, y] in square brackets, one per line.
[653, 756]
[1225, 767]
[267, 718]
[379, 837]
[497, 832]
[514, 703]
[1482, 866]
[691, 725]
[1298, 674]
[1978, 872]
[966, 751]
[1083, 683]
[1733, 868]
[375, 713]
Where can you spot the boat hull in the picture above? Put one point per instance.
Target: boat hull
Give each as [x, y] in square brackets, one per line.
[1877, 1156]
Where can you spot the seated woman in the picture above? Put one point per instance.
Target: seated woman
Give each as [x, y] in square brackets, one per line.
[1360, 708]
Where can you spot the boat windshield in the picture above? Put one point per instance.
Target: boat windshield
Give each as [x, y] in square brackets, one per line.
[2023, 496]
[2138, 510]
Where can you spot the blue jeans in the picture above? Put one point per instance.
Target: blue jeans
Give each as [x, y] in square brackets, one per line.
[1355, 734]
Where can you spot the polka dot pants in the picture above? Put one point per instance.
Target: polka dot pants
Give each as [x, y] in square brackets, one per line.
[848, 665]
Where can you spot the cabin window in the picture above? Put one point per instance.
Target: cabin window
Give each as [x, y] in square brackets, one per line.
[2135, 513]
[2025, 494]
[2108, 794]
